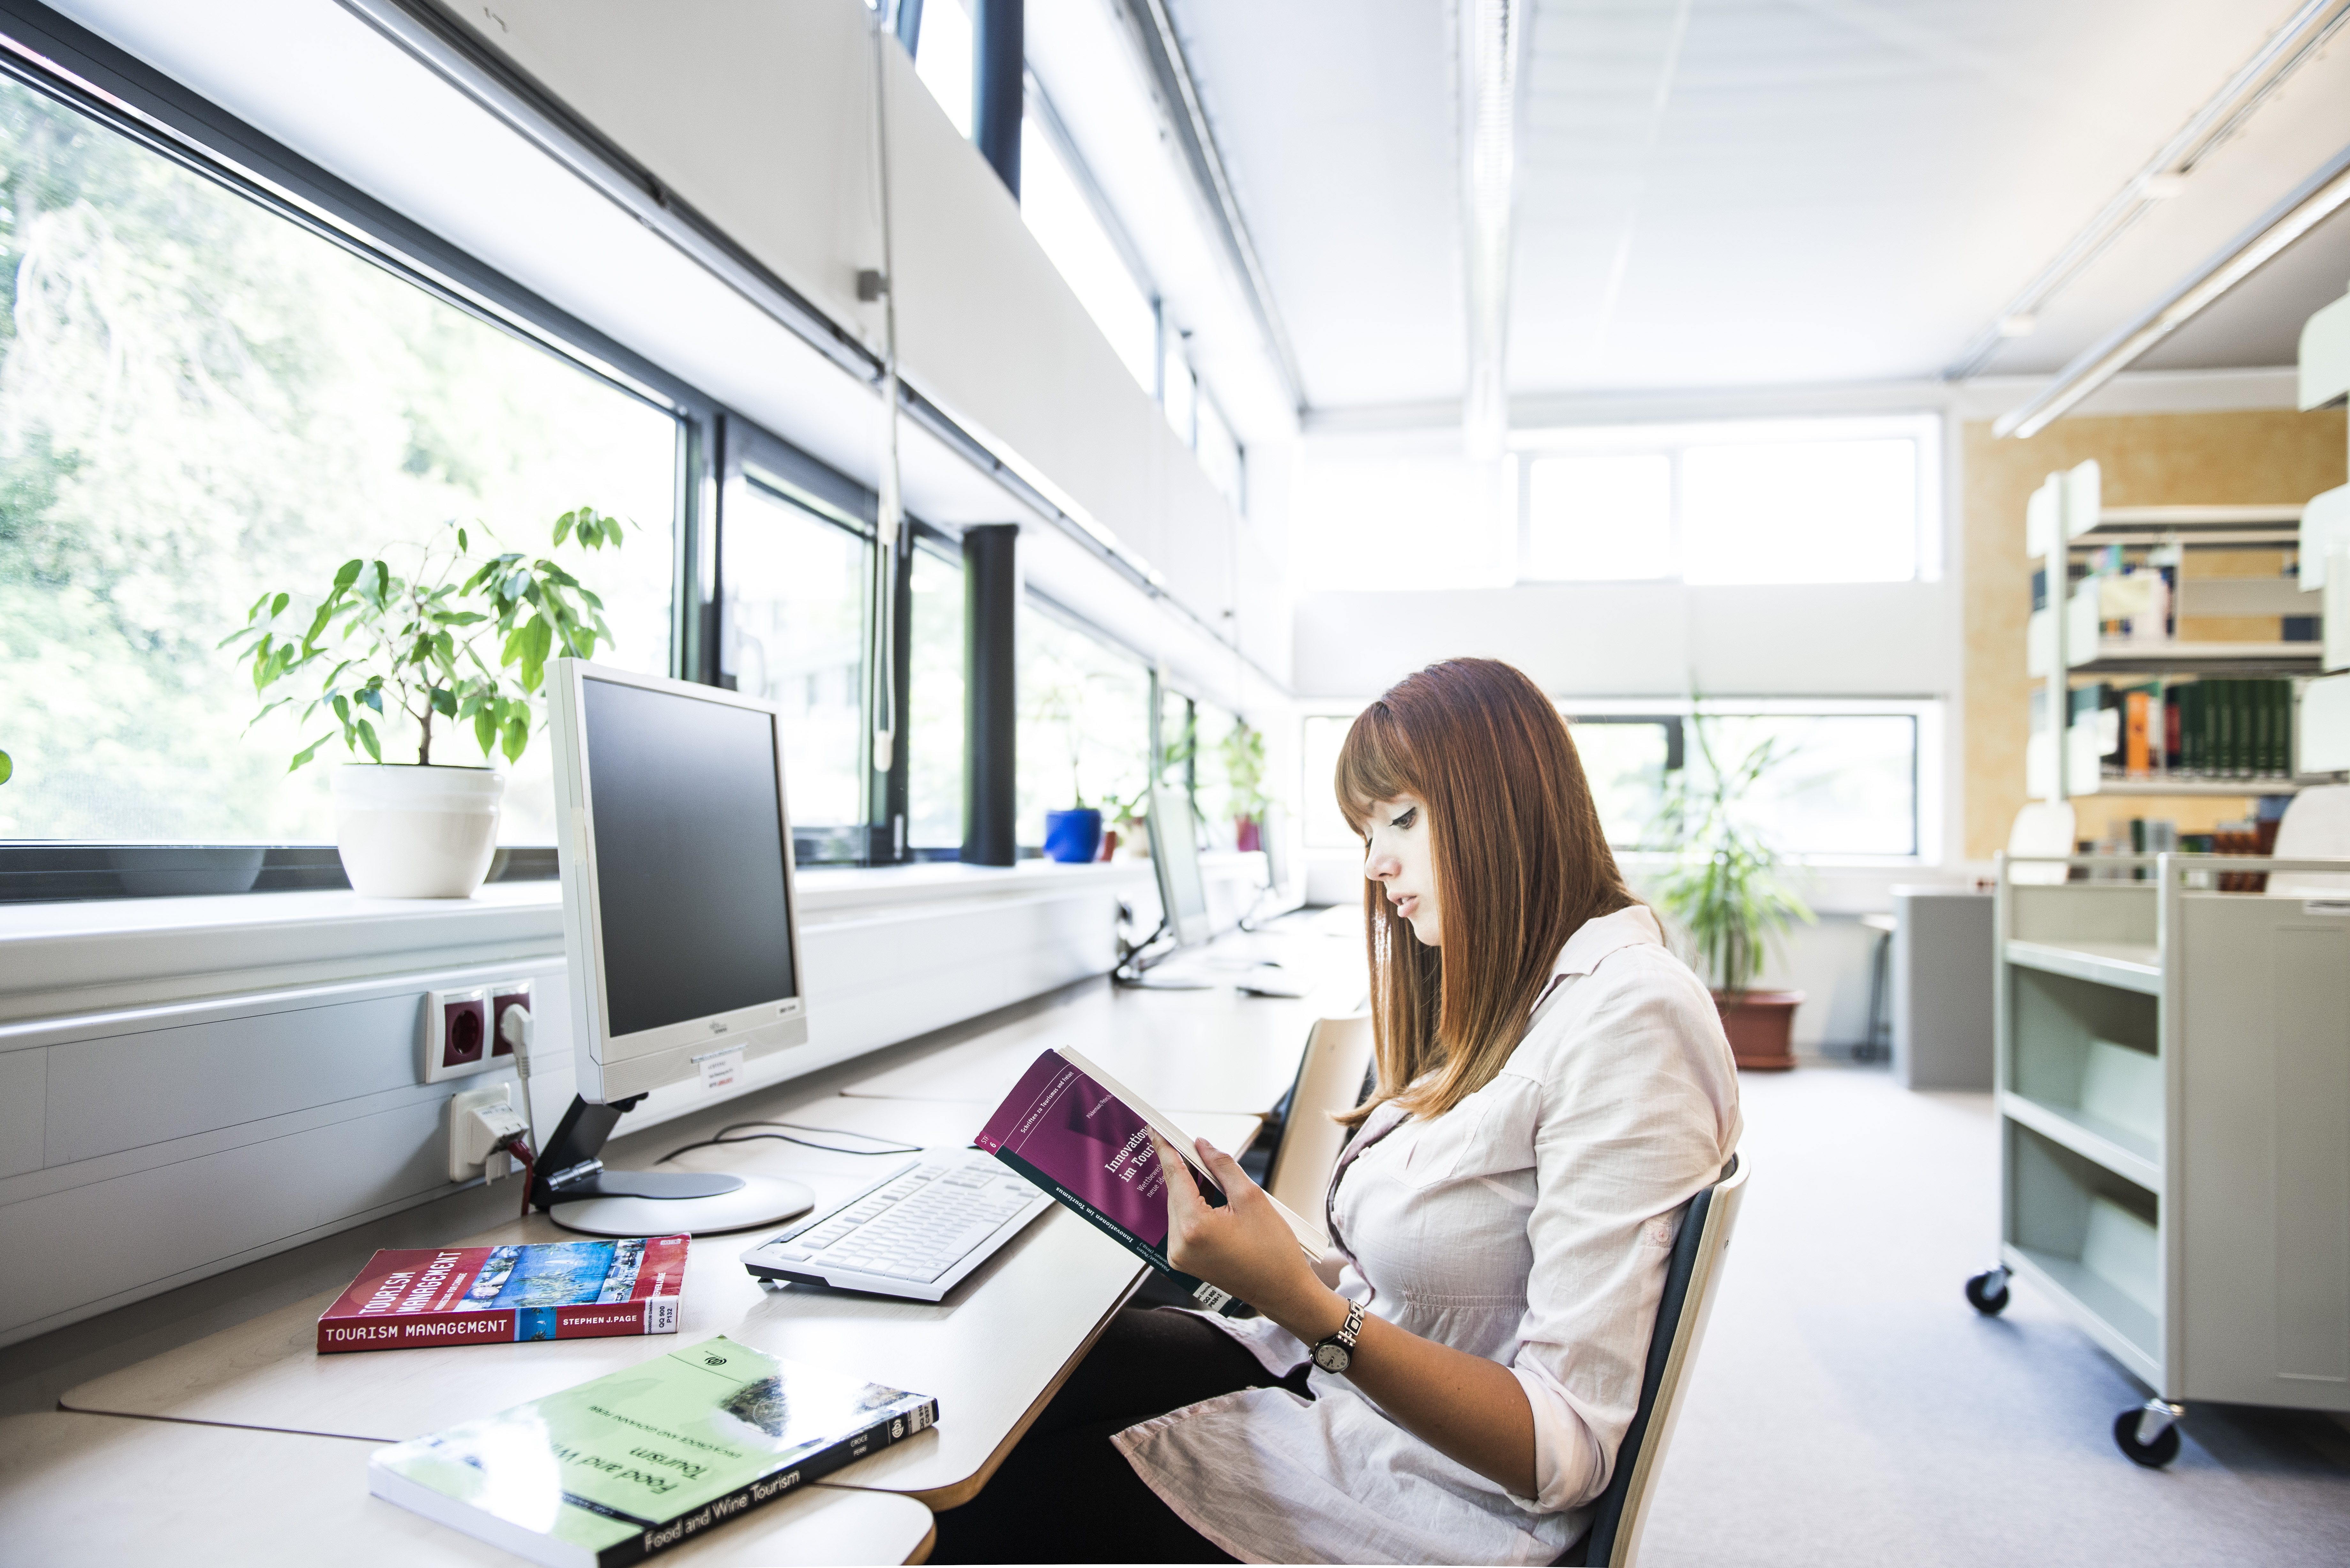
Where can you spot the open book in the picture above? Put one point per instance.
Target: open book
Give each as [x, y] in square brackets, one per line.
[1085, 1138]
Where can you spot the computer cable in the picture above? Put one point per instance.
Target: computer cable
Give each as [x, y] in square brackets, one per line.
[519, 1147]
[895, 1147]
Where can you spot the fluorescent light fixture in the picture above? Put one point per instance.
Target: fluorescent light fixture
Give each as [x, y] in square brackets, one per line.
[2303, 211]
[1490, 31]
[2164, 175]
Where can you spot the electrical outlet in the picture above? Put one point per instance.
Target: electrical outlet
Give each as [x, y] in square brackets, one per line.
[456, 1033]
[479, 1121]
[504, 999]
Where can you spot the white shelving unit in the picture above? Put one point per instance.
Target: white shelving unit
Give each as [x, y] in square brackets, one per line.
[2173, 1082]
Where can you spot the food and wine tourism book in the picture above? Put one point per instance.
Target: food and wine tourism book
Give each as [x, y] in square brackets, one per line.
[1085, 1138]
[489, 1295]
[611, 1471]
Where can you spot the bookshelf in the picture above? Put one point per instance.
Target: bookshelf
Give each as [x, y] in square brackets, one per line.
[2239, 734]
[2172, 1070]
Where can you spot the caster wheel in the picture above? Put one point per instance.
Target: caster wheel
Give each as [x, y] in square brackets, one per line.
[1987, 1293]
[2153, 1455]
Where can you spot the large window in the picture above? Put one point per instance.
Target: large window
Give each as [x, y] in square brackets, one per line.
[1079, 242]
[1084, 736]
[1817, 501]
[201, 402]
[792, 631]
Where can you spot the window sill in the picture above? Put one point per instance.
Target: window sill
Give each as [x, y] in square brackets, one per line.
[75, 959]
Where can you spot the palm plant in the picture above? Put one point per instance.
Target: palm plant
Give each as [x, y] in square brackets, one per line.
[1725, 888]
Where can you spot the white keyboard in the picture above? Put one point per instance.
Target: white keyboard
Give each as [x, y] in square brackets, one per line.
[916, 1231]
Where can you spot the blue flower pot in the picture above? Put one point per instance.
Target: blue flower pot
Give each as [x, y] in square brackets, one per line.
[1072, 836]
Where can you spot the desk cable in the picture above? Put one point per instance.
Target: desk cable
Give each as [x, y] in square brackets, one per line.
[895, 1147]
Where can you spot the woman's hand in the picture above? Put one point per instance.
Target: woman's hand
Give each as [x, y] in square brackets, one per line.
[1246, 1247]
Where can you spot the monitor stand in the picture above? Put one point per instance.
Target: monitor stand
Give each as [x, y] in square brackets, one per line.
[578, 1194]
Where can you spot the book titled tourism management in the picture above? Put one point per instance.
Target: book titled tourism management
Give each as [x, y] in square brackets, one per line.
[611, 1471]
[491, 1295]
[1085, 1138]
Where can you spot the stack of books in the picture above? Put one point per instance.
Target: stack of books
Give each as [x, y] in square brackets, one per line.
[2210, 728]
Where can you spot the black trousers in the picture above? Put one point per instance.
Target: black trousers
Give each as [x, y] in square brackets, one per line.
[1065, 1494]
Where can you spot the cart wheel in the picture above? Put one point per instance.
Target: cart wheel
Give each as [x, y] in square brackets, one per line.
[1987, 1293]
[2152, 1455]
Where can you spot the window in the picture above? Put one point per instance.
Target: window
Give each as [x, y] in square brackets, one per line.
[1084, 734]
[1073, 235]
[1849, 500]
[936, 714]
[1211, 791]
[791, 630]
[202, 401]
[1847, 784]
[1600, 519]
[943, 58]
[1625, 760]
[1325, 825]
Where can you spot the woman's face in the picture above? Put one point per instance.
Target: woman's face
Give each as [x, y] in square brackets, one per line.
[1397, 855]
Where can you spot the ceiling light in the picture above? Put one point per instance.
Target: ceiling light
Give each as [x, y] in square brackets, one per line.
[2317, 200]
[2017, 325]
[1490, 32]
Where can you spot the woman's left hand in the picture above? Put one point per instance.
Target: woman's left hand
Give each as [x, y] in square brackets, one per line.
[1246, 1247]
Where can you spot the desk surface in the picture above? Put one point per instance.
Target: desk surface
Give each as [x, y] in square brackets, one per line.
[102, 1489]
[1186, 1051]
[991, 1352]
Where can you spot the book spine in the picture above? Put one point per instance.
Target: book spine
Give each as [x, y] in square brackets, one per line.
[2136, 734]
[1206, 1295]
[415, 1332]
[766, 1490]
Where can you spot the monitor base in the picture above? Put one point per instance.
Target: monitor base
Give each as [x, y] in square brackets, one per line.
[758, 1201]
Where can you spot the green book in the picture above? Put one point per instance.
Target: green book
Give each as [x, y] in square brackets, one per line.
[639, 1460]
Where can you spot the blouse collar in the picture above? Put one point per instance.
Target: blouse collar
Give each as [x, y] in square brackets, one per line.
[1595, 940]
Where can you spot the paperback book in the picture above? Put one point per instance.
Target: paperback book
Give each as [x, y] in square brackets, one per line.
[490, 1295]
[636, 1462]
[1085, 1138]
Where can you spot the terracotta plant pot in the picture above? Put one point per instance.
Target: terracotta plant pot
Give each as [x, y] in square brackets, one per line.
[1760, 1026]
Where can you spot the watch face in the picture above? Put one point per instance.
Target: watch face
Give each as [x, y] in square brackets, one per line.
[1331, 1358]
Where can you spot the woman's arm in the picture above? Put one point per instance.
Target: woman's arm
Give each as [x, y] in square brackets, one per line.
[1468, 1409]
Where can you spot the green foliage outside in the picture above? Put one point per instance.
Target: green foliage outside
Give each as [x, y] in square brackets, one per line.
[1242, 753]
[1725, 888]
[200, 402]
[413, 639]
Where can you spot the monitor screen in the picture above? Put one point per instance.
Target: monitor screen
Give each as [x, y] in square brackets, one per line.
[693, 881]
[1175, 853]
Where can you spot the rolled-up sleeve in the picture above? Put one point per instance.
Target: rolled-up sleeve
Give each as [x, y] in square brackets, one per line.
[1636, 1113]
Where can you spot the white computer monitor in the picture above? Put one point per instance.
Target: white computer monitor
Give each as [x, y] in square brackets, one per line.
[680, 930]
[1175, 858]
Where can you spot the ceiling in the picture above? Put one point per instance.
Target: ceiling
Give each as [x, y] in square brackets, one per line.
[1721, 193]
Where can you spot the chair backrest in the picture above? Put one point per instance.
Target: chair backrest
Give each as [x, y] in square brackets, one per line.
[1329, 1078]
[1614, 1538]
[2042, 827]
[2317, 827]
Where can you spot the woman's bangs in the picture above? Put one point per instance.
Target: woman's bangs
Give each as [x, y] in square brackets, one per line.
[1370, 766]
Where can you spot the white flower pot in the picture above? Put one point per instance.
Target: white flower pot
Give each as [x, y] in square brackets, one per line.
[411, 832]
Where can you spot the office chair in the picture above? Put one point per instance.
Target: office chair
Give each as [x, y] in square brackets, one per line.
[1329, 1078]
[2317, 827]
[2042, 827]
[1614, 1538]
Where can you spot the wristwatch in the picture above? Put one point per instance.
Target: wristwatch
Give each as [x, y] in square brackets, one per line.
[1336, 1353]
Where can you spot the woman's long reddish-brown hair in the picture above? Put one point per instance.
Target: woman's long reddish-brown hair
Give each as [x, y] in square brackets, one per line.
[1520, 862]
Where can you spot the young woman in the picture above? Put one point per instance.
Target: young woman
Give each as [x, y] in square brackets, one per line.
[1553, 1086]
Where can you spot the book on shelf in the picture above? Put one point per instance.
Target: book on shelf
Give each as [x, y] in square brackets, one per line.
[1085, 1138]
[2210, 728]
[611, 1471]
[491, 1295]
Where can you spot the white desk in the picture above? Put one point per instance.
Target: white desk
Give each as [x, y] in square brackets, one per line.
[101, 1489]
[1186, 1051]
[992, 1352]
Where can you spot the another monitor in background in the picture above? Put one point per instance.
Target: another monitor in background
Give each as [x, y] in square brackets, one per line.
[1272, 830]
[1175, 858]
[680, 926]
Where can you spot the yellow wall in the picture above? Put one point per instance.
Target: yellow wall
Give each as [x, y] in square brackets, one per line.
[2265, 456]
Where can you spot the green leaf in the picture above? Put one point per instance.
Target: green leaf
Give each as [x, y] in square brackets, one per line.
[277, 606]
[516, 738]
[8, 768]
[486, 730]
[343, 709]
[445, 702]
[372, 695]
[347, 574]
[462, 546]
[367, 739]
[307, 753]
[563, 527]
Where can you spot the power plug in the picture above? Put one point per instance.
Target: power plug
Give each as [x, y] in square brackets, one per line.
[480, 1122]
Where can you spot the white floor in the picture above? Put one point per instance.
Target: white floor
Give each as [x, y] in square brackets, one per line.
[1850, 1407]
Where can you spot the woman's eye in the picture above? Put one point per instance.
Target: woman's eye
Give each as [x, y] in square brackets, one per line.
[1407, 819]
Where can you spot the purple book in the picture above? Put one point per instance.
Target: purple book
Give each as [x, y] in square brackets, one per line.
[1082, 1137]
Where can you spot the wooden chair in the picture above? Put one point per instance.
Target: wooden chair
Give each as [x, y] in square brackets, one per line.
[1329, 1078]
[1614, 1538]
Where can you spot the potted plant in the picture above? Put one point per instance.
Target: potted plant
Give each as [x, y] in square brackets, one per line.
[1243, 757]
[1726, 892]
[403, 650]
[1073, 833]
